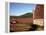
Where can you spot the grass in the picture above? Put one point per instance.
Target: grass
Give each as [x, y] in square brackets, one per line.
[23, 24]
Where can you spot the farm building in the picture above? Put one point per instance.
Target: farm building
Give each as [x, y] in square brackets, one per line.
[38, 14]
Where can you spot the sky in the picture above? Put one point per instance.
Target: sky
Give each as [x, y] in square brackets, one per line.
[17, 9]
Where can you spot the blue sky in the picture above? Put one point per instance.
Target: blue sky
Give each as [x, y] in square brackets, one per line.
[17, 9]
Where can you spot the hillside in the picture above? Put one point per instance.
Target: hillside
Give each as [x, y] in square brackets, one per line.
[27, 15]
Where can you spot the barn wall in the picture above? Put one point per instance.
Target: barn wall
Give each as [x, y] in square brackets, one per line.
[39, 22]
[39, 12]
[38, 15]
[25, 20]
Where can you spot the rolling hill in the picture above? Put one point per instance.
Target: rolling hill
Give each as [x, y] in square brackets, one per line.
[27, 15]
